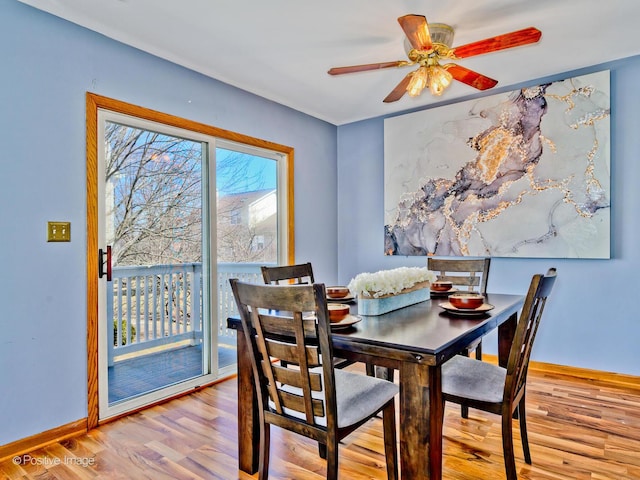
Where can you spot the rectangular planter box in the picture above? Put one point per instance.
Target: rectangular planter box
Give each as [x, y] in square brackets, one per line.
[378, 306]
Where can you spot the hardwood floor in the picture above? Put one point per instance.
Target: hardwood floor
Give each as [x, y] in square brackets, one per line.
[578, 429]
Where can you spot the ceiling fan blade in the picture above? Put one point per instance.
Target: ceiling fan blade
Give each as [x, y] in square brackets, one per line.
[508, 40]
[471, 78]
[367, 67]
[416, 29]
[397, 93]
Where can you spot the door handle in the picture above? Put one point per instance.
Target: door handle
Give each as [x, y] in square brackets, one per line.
[102, 262]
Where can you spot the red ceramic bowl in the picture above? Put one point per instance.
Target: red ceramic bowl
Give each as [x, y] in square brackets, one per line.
[466, 300]
[337, 292]
[337, 311]
[441, 286]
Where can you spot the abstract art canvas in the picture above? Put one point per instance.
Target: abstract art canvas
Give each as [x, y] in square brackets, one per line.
[519, 174]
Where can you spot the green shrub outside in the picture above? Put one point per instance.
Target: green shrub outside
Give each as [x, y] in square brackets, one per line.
[123, 330]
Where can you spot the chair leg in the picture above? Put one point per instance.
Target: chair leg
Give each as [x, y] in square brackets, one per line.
[390, 447]
[385, 373]
[263, 460]
[322, 450]
[332, 459]
[371, 369]
[464, 410]
[507, 446]
[523, 431]
[380, 372]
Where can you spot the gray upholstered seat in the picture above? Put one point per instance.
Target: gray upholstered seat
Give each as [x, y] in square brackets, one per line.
[356, 396]
[464, 377]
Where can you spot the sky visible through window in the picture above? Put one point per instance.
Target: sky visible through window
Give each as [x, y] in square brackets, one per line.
[240, 172]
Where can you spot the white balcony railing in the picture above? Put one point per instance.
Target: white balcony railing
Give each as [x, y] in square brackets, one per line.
[161, 305]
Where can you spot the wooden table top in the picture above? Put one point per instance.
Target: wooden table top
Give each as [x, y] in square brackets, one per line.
[426, 327]
[424, 330]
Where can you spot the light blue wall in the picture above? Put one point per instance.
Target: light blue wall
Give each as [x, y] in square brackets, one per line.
[47, 65]
[592, 319]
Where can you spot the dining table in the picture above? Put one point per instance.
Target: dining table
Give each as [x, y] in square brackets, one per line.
[416, 341]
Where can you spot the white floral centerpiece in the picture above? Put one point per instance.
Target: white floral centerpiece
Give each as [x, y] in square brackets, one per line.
[387, 290]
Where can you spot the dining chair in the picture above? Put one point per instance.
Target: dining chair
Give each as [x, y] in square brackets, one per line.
[491, 388]
[307, 396]
[468, 274]
[300, 274]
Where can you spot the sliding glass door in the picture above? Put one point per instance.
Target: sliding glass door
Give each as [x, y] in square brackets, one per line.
[157, 338]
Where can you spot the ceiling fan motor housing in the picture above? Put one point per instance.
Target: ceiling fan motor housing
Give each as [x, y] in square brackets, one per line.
[441, 33]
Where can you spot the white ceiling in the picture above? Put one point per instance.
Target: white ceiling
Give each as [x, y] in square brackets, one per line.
[282, 49]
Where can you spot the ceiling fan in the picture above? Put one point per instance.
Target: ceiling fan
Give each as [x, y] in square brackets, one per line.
[427, 45]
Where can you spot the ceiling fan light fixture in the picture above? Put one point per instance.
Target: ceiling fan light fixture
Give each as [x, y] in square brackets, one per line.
[419, 81]
[435, 77]
[439, 79]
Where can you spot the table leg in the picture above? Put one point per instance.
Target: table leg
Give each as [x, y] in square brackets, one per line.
[506, 332]
[248, 415]
[420, 427]
[436, 419]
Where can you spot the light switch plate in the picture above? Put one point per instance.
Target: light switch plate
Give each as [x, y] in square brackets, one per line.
[58, 231]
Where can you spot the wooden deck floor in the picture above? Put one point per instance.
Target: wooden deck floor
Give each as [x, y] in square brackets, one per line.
[133, 376]
[579, 429]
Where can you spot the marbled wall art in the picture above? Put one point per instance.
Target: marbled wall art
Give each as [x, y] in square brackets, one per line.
[518, 174]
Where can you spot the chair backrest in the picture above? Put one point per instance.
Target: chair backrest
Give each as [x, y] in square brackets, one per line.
[534, 303]
[289, 323]
[468, 273]
[298, 274]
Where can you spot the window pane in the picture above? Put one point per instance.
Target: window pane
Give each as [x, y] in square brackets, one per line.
[156, 298]
[247, 207]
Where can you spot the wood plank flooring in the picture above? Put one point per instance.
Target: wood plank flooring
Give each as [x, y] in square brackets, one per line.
[578, 429]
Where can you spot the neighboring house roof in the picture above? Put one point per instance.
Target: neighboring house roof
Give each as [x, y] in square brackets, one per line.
[256, 206]
[244, 197]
